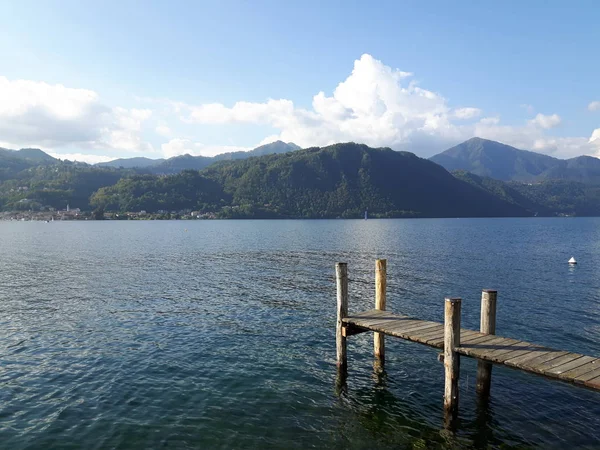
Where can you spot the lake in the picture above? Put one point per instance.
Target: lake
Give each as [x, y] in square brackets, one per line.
[221, 334]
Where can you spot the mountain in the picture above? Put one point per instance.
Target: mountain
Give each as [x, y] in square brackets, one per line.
[583, 169]
[546, 198]
[503, 162]
[14, 161]
[129, 163]
[495, 160]
[54, 185]
[267, 149]
[185, 162]
[341, 180]
[179, 163]
[34, 155]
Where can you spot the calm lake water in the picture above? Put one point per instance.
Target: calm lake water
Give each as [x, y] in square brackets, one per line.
[221, 334]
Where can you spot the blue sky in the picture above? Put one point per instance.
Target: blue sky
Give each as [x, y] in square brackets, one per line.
[99, 80]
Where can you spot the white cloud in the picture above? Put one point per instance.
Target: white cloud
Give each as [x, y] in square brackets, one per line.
[35, 113]
[594, 106]
[375, 104]
[490, 121]
[546, 122]
[467, 113]
[379, 106]
[163, 130]
[81, 157]
[176, 147]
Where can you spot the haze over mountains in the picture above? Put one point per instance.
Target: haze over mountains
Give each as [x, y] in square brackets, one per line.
[279, 180]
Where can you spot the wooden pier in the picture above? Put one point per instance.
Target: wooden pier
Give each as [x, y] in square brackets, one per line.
[484, 345]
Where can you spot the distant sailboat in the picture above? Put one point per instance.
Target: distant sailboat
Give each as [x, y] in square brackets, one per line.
[366, 215]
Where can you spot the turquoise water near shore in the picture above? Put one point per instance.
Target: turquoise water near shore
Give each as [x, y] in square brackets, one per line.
[221, 334]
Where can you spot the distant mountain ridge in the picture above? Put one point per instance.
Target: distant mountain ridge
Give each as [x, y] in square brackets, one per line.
[129, 163]
[341, 180]
[184, 162]
[30, 154]
[493, 159]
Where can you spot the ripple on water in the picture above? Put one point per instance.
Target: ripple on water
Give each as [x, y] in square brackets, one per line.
[140, 335]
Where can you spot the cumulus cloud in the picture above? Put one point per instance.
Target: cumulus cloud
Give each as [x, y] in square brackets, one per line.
[176, 147]
[594, 106]
[375, 104]
[163, 130]
[382, 106]
[546, 122]
[35, 113]
[81, 157]
[467, 113]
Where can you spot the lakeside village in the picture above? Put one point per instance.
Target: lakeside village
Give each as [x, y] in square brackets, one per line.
[52, 214]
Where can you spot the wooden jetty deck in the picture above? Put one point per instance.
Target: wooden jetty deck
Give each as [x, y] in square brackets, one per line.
[484, 345]
[566, 366]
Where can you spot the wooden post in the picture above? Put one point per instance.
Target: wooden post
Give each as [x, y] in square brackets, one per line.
[341, 274]
[487, 326]
[451, 357]
[380, 299]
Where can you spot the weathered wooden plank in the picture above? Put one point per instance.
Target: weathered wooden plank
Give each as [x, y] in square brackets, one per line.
[413, 336]
[547, 366]
[375, 318]
[593, 383]
[588, 376]
[422, 338]
[574, 373]
[510, 345]
[478, 340]
[514, 351]
[534, 353]
[489, 344]
[531, 363]
[522, 355]
[403, 325]
[419, 327]
[436, 342]
[432, 339]
[559, 370]
[464, 333]
[425, 335]
[485, 350]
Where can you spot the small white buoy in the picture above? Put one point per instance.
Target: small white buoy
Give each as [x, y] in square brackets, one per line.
[572, 261]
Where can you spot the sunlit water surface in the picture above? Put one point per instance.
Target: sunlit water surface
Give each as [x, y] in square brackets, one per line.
[221, 334]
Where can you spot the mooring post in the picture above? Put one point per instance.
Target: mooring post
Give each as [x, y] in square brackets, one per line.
[341, 275]
[451, 357]
[380, 299]
[487, 326]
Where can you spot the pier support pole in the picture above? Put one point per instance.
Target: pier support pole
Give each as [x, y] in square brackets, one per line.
[380, 299]
[487, 326]
[451, 357]
[341, 275]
